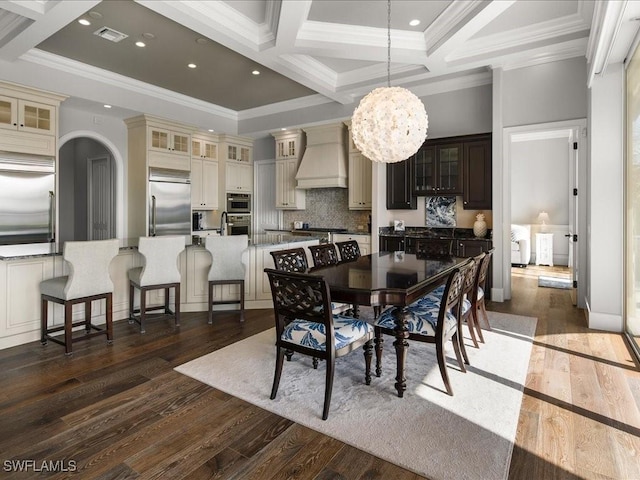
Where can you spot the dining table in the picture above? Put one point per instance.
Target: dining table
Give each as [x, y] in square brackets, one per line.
[389, 279]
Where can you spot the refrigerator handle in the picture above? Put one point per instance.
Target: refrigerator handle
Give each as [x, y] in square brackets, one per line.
[52, 216]
[153, 216]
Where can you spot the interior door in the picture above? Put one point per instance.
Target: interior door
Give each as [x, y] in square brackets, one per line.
[573, 213]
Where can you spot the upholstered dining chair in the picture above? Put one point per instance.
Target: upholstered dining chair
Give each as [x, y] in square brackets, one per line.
[478, 299]
[305, 324]
[349, 250]
[160, 271]
[229, 259]
[324, 254]
[431, 322]
[88, 280]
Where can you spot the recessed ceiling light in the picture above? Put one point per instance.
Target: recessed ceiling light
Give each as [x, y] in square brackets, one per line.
[148, 35]
[84, 21]
[283, 129]
[256, 72]
[415, 22]
[211, 129]
[202, 41]
[192, 65]
[140, 44]
[95, 15]
[107, 106]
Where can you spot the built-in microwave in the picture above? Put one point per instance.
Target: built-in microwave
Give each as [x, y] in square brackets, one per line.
[238, 203]
[239, 225]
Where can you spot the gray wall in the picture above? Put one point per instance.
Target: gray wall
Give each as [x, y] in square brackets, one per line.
[545, 93]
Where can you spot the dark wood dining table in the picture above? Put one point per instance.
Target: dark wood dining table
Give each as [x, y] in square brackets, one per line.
[389, 279]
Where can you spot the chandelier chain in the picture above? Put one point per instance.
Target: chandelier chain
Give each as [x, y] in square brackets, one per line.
[388, 43]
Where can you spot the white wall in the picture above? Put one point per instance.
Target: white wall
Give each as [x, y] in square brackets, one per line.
[606, 209]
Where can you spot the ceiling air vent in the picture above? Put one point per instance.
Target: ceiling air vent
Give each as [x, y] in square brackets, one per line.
[110, 34]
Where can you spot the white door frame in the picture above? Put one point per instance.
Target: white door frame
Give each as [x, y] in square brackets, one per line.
[577, 130]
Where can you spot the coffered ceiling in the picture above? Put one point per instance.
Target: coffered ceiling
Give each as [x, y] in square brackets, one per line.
[335, 49]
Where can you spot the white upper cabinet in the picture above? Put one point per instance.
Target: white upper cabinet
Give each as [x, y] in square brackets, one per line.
[239, 177]
[204, 184]
[237, 153]
[204, 148]
[359, 177]
[290, 146]
[169, 141]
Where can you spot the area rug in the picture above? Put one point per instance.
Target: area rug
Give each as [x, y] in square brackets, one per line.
[554, 282]
[467, 436]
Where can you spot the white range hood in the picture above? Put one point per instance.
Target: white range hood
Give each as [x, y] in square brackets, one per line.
[324, 163]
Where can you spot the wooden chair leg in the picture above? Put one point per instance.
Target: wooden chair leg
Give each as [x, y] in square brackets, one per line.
[44, 321]
[210, 297]
[278, 372]
[132, 292]
[472, 333]
[109, 317]
[177, 308]
[166, 301]
[328, 388]
[368, 354]
[143, 308]
[484, 315]
[242, 300]
[457, 349]
[443, 365]
[87, 316]
[68, 323]
[474, 312]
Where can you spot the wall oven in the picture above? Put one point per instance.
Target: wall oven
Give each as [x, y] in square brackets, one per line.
[238, 203]
[239, 225]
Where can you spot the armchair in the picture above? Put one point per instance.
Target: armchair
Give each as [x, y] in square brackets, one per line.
[520, 245]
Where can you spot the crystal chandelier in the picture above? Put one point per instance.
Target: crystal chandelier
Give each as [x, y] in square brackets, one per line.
[390, 123]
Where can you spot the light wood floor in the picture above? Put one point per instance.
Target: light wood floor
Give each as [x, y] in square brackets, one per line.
[122, 412]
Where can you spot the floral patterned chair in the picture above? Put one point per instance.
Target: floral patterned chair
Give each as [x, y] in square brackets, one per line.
[430, 320]
[305, 324]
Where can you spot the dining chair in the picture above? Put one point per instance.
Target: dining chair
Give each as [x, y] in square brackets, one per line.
[324, 254]
[304, 324]
[429, 321]
[349, 250]
[229, 259]
[437, 247]
[478, 300]
[160, 271]
[290, 260]
[88, 280]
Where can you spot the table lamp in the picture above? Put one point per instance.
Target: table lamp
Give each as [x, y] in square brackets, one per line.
[543, 219]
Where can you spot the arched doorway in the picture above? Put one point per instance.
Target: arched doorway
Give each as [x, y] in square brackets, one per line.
[87, 186]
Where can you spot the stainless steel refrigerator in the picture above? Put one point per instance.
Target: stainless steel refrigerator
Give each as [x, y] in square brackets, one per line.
[27, 199]
[169, 202]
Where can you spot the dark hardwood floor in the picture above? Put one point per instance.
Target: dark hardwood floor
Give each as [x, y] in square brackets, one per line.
[121, 411]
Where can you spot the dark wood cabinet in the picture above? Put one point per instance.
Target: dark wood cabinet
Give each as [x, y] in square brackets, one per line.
[438, 169]
[400, 185]
[391, 244]
[471, 248]
[477, 174]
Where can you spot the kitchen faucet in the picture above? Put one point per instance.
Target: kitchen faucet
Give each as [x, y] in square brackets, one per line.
[224, 220]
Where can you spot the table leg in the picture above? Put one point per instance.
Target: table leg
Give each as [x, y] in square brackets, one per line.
[401, 344]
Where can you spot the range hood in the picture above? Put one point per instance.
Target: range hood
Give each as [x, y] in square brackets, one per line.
[324, 163]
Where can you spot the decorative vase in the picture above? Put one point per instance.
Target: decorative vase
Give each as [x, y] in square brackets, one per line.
[480, 226]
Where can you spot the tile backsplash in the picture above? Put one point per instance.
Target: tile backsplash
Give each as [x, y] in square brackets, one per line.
[328, 208]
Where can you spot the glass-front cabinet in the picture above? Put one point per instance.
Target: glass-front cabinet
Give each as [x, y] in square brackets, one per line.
[438, 170]
[17, 114]
[168, 141]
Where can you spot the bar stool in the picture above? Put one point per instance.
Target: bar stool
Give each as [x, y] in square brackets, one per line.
[229, 258]
[160, 271]
[88, 280]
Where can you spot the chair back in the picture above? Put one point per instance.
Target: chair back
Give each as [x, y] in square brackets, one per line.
[229, 256]
[291, 260]
[89, 267]
[160, 259]
[300, 296]
[484, 268]
[471, 278]
[324, 254]
[434, 247]
[349, 250]
[453, 296]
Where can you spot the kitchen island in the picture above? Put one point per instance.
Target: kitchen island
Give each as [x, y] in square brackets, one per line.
[23, 267]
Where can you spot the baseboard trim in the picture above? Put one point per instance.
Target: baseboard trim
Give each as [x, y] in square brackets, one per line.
[604, 321]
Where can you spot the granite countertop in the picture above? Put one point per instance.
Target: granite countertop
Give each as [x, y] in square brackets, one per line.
[431, 232]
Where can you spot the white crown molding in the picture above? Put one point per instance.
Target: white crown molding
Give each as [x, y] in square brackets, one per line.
[607, 19]
[515, 38]
[311, 68]
[319, 33]
[571, 49]
[452, 84]
[377, 73]
[285, 106]
[73, 67]
[439, 30]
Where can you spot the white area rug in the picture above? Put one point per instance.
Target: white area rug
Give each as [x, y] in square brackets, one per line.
[467, 436]
[554, 282]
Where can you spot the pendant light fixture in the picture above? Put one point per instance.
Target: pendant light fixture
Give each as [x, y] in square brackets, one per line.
[390, 123]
